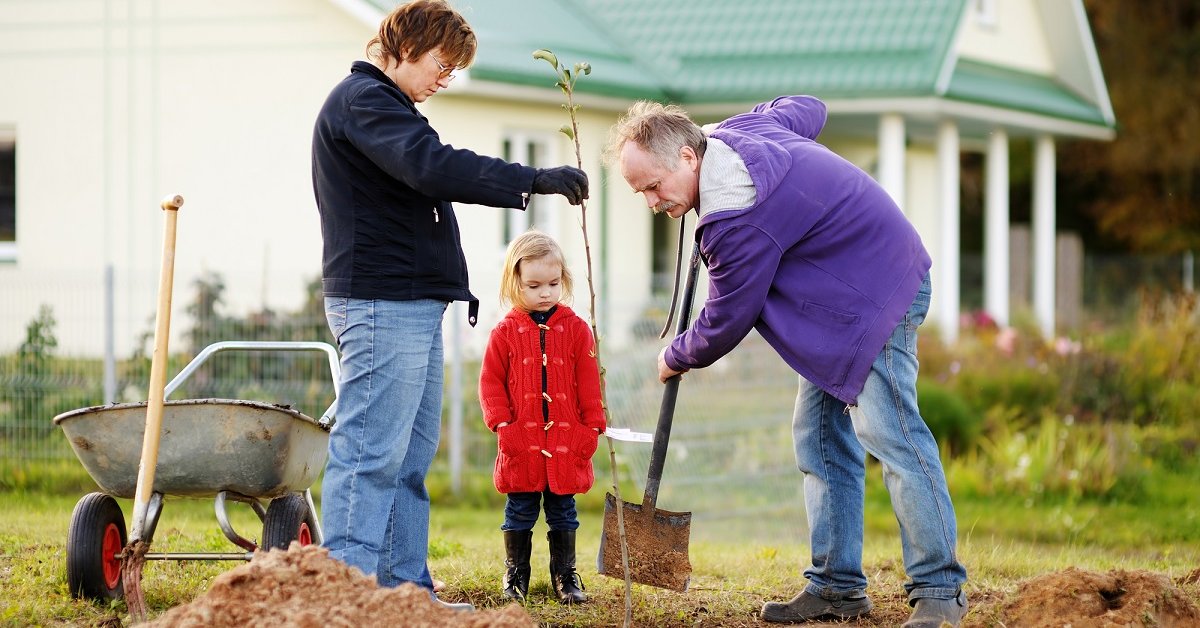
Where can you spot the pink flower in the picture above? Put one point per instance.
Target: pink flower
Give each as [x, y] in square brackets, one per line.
[1006, 340]
[1066, 346]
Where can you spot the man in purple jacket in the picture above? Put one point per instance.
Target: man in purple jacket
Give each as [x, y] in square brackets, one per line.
[809, 250]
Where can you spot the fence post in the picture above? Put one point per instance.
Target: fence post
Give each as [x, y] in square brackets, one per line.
[456, 400]
[110, 359]
[1189, 272]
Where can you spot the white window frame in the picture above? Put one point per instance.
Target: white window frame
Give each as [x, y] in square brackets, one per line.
[540, 213]
[985, 12]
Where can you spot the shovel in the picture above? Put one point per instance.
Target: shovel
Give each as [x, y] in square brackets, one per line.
[657, 540]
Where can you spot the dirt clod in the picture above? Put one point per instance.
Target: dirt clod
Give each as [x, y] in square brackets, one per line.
[304, 588]
[1075, 597]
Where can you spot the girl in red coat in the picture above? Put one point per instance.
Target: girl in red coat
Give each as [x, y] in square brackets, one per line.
[539, 387]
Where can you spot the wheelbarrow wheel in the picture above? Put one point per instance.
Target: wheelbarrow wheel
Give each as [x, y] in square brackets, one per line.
[95, 537]
[288, 519]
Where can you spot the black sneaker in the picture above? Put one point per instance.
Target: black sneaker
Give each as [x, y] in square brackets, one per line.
[807, 607]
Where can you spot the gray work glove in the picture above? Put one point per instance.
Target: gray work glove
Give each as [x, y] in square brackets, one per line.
[570, 182]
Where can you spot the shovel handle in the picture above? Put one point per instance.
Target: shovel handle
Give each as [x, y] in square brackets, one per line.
[666, 411]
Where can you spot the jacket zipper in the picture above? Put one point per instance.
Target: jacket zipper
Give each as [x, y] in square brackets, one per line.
[545, 395]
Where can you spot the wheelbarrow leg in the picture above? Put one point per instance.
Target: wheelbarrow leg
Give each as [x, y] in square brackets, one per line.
[223, 518]
[318, 534]
[153, 513]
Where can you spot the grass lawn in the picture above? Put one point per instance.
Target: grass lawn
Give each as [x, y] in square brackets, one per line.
[1002, 542]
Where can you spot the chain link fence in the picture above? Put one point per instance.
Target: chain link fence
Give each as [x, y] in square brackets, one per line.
[730, 460]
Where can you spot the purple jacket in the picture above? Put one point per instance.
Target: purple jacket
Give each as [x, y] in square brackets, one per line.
[823, 264]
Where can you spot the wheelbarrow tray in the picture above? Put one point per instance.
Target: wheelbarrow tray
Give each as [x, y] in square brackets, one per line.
[207, 446]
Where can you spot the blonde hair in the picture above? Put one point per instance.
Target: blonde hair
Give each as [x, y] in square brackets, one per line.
[419, 27]
[529, 246]
[661, 130]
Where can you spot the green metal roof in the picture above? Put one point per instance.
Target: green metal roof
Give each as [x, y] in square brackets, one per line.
[717, 50]
[727, 51]
[995, 86]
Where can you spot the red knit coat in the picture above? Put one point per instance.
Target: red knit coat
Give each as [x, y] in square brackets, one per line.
[536, 454]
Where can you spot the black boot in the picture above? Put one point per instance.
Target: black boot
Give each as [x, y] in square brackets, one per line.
[517, 546]
[567, 584]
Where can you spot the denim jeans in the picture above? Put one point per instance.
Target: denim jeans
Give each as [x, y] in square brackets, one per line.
[521, 511]
[374, 505]
[831, 441]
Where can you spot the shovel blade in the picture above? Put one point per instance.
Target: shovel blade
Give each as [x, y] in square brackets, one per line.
[657, 541]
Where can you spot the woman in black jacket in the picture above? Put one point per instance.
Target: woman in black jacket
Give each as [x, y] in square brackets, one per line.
[392, 262]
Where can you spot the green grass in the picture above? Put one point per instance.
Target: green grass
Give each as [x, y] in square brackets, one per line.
[1002, 541]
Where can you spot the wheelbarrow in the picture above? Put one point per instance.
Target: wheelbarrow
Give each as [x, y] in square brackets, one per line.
[232, 450]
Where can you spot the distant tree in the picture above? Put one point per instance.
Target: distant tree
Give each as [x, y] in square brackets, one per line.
[1143, 189]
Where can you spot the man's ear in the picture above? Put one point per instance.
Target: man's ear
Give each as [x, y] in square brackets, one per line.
[688, 155]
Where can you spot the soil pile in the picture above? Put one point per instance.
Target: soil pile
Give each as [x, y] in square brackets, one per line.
[1074, 597]
[304, 588]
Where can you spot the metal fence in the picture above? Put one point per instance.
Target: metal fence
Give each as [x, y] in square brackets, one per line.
[730, 460]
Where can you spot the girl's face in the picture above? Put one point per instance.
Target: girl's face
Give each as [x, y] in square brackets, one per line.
[541, 283]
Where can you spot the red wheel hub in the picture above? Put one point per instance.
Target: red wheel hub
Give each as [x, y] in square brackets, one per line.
[305, 535]
[110, 547]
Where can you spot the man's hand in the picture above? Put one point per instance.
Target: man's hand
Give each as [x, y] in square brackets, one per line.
[665, 372]
[570, 182]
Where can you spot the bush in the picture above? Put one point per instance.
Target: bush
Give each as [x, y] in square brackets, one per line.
[955, 426]
[1057, 457]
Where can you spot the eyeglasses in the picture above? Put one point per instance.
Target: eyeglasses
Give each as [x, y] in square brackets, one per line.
[444, 71]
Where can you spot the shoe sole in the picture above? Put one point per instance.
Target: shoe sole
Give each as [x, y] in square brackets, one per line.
[845, 612]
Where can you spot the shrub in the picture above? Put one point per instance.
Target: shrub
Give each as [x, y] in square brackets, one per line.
[1057, 457]
[956, 427]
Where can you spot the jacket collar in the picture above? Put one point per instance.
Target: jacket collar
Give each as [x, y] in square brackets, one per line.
[368, 68]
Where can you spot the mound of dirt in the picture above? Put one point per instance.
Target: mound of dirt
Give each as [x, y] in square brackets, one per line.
[1074, 597]
[304, 588]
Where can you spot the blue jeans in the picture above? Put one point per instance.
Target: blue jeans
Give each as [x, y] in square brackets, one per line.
[831, 441]
[374, 506]
[521, 511]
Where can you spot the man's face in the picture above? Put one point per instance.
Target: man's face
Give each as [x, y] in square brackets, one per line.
[671, 190]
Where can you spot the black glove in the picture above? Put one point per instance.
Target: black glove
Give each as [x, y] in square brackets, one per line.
[570, 182]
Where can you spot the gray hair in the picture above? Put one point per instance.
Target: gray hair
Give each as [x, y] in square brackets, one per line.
[659, 129]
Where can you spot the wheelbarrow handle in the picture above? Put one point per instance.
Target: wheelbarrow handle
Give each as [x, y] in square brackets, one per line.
[266, 345]
[666, 411]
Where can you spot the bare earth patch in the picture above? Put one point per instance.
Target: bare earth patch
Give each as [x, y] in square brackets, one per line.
[303, 587]
[1075, 597]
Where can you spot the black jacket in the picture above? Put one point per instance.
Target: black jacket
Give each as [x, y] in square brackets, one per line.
[384, 181]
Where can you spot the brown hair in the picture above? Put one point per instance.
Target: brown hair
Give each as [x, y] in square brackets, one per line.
[659, 129]
[421, 26]
[531, 245]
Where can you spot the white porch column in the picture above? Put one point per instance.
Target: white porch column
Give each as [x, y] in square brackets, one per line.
[995, 229]
[1043, 234]
[946, 267]
[891, 156]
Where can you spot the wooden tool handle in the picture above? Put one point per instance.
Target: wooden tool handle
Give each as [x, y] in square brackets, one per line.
[158, 371]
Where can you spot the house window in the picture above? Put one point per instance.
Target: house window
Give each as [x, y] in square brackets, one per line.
[530, 149]
[985, 12]
[8, 196]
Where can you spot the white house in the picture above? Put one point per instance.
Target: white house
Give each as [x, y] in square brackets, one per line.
[107, 106]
